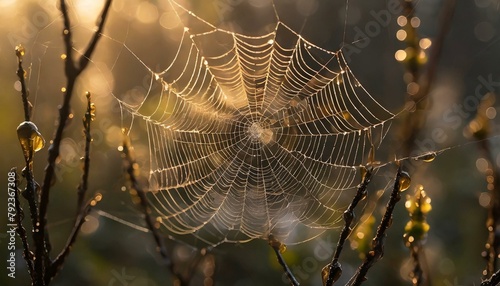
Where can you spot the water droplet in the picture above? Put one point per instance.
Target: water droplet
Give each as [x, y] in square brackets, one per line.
[30, 138]
[276, 244]
[65, 31]
[404, 181]
[335, 269]
[98, 197]
[20, 51]
[429, 157]
[92, 111]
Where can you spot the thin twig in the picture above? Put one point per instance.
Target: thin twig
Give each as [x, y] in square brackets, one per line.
[24, 90]
[278, 248]
[40, 236]
[85, 59]
[40, 257]
[82, 209]
[377, 250]
[417, 273]
[493, 220]
[494, 280]
[72, 73]
[415, 121]
[131, 169]
[83, 186]
[334, 268]
[436, 51]
[59, 261]
[21, 231]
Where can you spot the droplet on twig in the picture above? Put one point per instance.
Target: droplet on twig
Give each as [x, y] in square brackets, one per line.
[276, 244]
[20, 51]
[428, 157]
[404, 181]
[30, 138]
[335, 269]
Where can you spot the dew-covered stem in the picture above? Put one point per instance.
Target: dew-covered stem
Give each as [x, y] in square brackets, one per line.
[333, 270]
[131, 168]
[401, 183]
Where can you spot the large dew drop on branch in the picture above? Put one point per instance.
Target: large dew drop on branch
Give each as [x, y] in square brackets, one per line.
[30, 138]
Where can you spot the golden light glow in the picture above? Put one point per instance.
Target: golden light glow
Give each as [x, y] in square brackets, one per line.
[415, 22]
[401, 35]
[425, 43]
[402, 21]
[491, 112]
[147, 13]
[169, 20]
[482, 165]
[400, 55]
[412, 88]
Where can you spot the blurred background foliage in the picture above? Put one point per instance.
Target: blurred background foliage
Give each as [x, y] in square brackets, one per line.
[115, 253]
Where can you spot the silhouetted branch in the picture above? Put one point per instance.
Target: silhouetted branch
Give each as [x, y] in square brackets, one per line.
[377, 250]
[334, 268]
[417, 273]
[82, 187]
[416, 120]
[59, 261]
[25, 131]
[494, 280]
[278, 247]
[21, 75]
[21, 231]
[72, 73]
[31, 141]
[82, 210]
[435, 53]
[131, 169]
[493, 220]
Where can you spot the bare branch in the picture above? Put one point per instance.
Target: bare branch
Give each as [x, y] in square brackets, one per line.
[21, 231]
[83, 186]
[334, 268]
[131, 169]
[278, 247]
[377, 250]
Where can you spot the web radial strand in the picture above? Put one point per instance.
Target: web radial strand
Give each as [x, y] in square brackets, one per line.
[254, 135]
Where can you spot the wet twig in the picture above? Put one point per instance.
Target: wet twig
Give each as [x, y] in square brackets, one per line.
[377, 250]
[72, 73]
[131, 170]
[59, 261]
[334, 269]
[42, 269]
[82, 209]
[21, 231]
[494, 280]
[279, 247]
[87, 120]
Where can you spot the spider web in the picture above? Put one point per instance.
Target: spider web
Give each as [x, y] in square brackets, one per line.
[253, 135]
